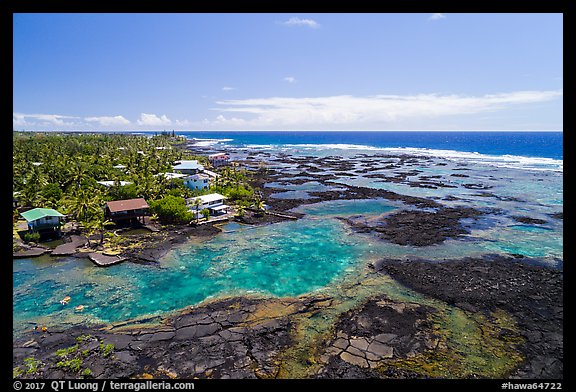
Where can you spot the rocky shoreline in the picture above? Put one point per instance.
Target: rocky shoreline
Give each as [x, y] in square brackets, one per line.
[533, 295]
[517, 305]
[244, 337]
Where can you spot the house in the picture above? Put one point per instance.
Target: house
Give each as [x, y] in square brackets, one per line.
[43, 220]
[197, 181]
[217, 160]
[108, 184]
[188, 167]
[127, 211]
[193, 181]
[171, 176]
[214, 202]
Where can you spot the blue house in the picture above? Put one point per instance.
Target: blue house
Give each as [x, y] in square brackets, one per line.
[197, 181]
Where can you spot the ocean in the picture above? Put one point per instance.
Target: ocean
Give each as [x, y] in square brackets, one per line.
[526, 144]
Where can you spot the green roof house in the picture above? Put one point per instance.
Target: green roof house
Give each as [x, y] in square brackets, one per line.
[43, 219]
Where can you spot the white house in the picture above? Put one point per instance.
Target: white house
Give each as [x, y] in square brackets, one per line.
[214, 202]
[193, 182]
[171, 176]
[217, 160]
[108, 184]
[188, 167]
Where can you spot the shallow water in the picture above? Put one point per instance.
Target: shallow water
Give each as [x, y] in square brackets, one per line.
[284, 259]
[294, 258]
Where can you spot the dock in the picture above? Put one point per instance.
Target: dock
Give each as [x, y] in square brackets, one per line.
[212, 220]
[69, 248]
[282, 215]
[32, 252]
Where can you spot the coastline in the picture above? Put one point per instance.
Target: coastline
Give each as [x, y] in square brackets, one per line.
[255, 333]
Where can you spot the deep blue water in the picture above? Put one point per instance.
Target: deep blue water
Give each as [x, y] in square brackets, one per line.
[527, 144]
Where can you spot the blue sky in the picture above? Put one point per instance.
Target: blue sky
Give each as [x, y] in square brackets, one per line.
[288, 71]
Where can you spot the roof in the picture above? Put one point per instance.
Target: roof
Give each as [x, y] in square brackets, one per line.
[211, 173]
[207, 198]
[199, 176]
[220, 207]
[112, 183]
[218, 155]
[171, 176]
[38, 213]
[127, 205]
[188, 165]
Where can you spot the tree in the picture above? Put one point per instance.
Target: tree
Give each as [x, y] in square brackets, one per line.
[171, 209]
[84, 204]
[51, 194]
[98, 224]
[260, 206]
[205, 213]
[196, 204]
[240, 211]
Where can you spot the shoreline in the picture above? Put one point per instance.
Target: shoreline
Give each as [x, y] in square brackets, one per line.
[243, 337]
[255, 334]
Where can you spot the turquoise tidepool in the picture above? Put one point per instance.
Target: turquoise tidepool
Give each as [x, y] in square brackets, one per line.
[284, 259]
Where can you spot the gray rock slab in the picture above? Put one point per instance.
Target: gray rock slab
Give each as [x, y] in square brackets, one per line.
[381, 350]
[353, 359]
[160, 336]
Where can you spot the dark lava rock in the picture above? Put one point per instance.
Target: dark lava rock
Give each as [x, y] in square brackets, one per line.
[373, 333]
[419, 228]
[533, 295]
[528, 220]
[557, 215]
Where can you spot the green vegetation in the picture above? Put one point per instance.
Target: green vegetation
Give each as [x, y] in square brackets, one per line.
[66, 351]
[84, 338]
[171, 209]
[205, 213]
[32, 365]
[106, 349]
[32, 237]
[62, 170]
[17, 372]
[73, 365]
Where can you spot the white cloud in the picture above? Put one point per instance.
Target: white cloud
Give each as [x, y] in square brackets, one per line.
[295, 21]
[23, 119]
[437, 16]
[153, 120]
[369, 112]
[108, 120]
[290, 79]
[226, 88]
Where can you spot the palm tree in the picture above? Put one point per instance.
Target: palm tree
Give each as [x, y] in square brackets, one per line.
[77, 173]
[240, 211]
[99, 224]
[259, 205]
[84, 204]
[206, 213]
[196, 204]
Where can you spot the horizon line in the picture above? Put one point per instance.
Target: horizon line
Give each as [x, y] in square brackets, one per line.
[293, 130]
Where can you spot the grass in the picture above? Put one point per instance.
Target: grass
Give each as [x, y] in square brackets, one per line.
[106, 349]
[66, 351]
[74, 364]
[32, 364]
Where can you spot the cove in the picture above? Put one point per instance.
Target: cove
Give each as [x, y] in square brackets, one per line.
[284, 259]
